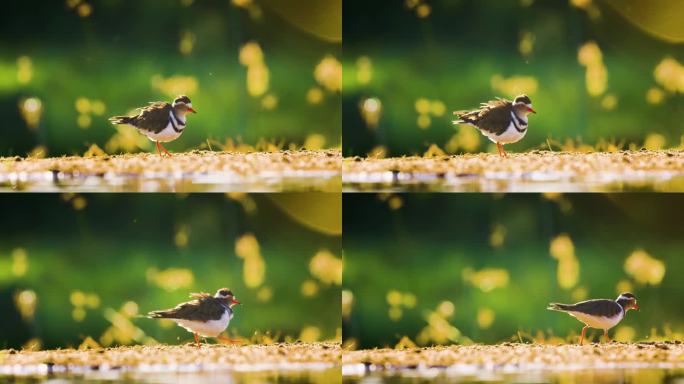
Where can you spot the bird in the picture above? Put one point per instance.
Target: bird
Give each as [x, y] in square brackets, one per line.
[160, 121]
[599, 313]
[501, 120]
[205, 316]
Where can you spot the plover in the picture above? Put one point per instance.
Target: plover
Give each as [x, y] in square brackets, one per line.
[160, 121]
[205, 316]
[501, 120]
[599, 313]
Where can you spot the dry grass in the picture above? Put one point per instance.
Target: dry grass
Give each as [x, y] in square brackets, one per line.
[321, 169]
[568, 170]
[521, 355]
[174, 356]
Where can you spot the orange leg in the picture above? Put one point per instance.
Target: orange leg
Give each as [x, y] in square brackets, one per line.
[158, 149]
[165, 151]
[197, 340]
[502, 152]
[228, 340]
[584, 330]
[605, 334]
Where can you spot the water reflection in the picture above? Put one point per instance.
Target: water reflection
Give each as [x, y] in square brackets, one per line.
[295, 376]
[579, 376]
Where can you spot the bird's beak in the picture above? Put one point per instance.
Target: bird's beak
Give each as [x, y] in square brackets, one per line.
[191, 110]
[635, 307]
[531, 110]
[235, 302]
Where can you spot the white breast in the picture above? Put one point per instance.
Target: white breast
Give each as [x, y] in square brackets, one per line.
[598, 322]
[511, 135]
[211, 328]
[165, 135]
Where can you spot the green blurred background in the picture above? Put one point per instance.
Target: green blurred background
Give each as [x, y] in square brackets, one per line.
[479, 267]
[605, 73]
[65, 66]
[75, 266]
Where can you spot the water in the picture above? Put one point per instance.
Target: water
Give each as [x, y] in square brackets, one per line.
[627, 373]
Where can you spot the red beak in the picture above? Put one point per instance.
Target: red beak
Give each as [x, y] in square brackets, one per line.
[235, 302]
[531, 110]
[635, 307]
[191, 110]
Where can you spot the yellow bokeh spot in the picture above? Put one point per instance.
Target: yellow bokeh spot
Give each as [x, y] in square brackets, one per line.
[269, 102]
[596, 78]
[309, 288]
[486, 279]
[84, 10]
[434, 150]
[79, 203]
[24, 70]
[378, 152]
[175, 85]
[94, 150]
[98, 107]
[347, 302]
[182, 236]
[579, 294]
[563, 250]
[19, 262]
[251, 54]
[393, 298]
[625, 334]
[82, 105]
[371, 109]
[654, 141]
[395, 313]
[644, 268]
[437, 108]
[129, 309]
[424, 121]
[254, 268]
[485, 318]
[126, 139]
[257, 80]
[328, 73]
[655, 96]
[467, 138]
[314, 95]
[609, 102]
[171, 279]
[186, 43]
[364, 70]
[77, 298]
[395, 202]
[78, 314]
[624, 286]
[31, 110]
[669, 74]
[314, 141]
[25, 302]
[264, 294]
[514, 85]
[446, 308]
[84, 121]
[526, 43]
[326, 267]
[498, 236]
[422, 106]
[310, 334]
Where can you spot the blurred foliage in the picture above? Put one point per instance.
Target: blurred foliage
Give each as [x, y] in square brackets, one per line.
[462, 268]
[603, 75]
[80, 270]
[249, 66]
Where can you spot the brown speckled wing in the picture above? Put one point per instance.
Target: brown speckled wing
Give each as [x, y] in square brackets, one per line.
[153, 118]
[204, 309]
[495, 116]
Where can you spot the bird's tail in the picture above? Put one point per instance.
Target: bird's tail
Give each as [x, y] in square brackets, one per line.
[558, 307]
[158, 314]
[462, 118]
[120, 119]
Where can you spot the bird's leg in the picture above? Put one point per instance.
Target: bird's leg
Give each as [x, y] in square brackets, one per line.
[165, 151]
[227, 340]
[584, 330]
[158, 149]
[605, 334]
[197, 340]
[500, 147]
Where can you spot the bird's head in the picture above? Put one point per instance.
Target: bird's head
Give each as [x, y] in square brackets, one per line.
[627, 301]
[183, 105]
[227, 295]
[523, 105]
